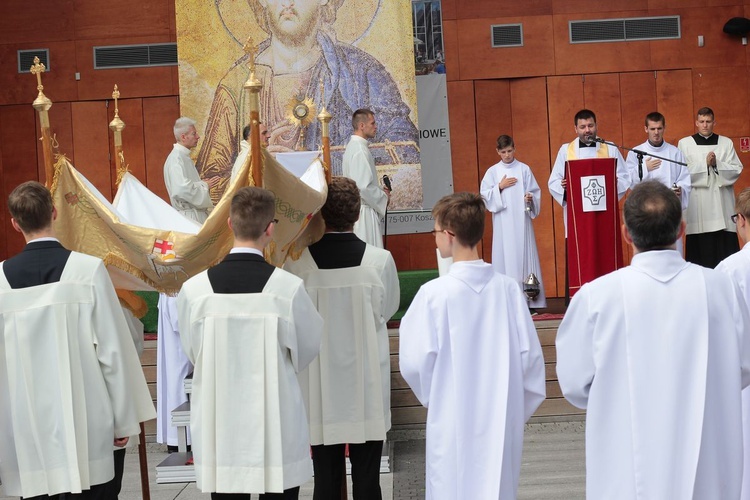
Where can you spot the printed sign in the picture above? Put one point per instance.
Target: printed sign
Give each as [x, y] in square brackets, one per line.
[594, 193]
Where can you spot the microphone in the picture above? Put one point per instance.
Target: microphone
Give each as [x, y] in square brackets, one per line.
[598, 139]
[387, 183]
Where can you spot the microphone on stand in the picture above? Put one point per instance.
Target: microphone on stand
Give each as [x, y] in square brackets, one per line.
[598, 139]
[387, 183]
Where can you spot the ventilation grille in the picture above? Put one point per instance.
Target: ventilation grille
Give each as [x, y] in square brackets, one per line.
[621, 30]
[26, 59]
[135, 56]
[507, 35]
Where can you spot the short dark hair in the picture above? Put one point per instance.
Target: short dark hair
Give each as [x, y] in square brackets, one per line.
[742, 205]
[360, 116]
[655, 116]
[341, 209]
[652, 215]
[246, 132]
[584, 114]
[505, 141]
[30, 205]
[463, 215]
[704, 111]
[251, 211]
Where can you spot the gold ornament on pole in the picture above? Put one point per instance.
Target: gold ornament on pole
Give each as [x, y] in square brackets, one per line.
[117, 125]
[300, 113]
[253, 86]
[324, 117]
[42, 104]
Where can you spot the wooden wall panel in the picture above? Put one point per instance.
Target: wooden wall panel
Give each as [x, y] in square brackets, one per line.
[584, 6]
[449, 10]
[493, 112]
[674, 96]
[20, 88]
[493, 8]
[159, 115]
[18, 133]
[601, 94]
[478, 60]
[564, 100]
[732, 96]
[637, 99]
[422, 251]
[719, 48]
[96, 84]
[91, 143]
[450, 44]
[529, 112]
[398, 245]
[590, 58]
[676, 4]
[463, 125]
[97, 19]
[31, 22]
[131, 112]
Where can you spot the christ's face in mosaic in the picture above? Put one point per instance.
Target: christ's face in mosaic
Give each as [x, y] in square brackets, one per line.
[292, 20]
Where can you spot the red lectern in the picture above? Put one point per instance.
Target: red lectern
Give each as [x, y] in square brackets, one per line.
[594, 238]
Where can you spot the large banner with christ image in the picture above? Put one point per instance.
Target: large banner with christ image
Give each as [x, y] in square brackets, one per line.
[346, 54]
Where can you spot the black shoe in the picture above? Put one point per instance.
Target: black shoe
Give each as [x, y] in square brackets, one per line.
[173, 449]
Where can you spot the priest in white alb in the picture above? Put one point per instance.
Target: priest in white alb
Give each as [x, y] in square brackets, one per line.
[71, 385]
[347, 388]
[359, 165]
[249, 328]
[191, 197]
[512, 195]
[469, 351]
[657, 353]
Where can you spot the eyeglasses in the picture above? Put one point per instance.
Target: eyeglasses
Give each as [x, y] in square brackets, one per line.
[274, 221]
[436, 231]
[734, 218]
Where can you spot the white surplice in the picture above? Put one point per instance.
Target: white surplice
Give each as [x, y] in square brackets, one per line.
[247, 415]
[712, 198]
[347, 389]
[558, 172]
[241, 158]
[172, 366]
[511, 224]
[187, 192]
[737, 267]
[657, 353]
[359, 165]
[469, 351]
[70, 382]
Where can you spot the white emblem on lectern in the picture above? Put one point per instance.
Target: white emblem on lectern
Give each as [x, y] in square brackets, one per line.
[594, 193]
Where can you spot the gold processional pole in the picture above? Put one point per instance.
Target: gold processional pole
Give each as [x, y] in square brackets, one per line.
[253, 86]
[42, 105]
[324, 117]
[117, 125]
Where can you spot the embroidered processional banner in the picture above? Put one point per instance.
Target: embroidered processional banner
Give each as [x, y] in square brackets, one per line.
[360, 50]
[594, 239]
[148, 245]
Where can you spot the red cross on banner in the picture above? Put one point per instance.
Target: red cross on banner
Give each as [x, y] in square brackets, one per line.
[163, 247]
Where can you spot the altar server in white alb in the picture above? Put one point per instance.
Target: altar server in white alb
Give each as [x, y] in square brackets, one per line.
[714, 168]
[585, 146]
[513, 196]
[348, 387]
[190, 196]
[737, 266]
[71, 384]
[359, 165]
[249, 328]
[673, 175]
[469, 351]
[658, 354]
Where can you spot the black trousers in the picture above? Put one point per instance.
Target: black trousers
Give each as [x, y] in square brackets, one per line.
[365, 459]
[290, 494]
[708, 249]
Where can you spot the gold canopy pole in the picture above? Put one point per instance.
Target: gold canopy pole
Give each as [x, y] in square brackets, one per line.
[42, 105]
[253, 86]
[324, 117]
[117, 125]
